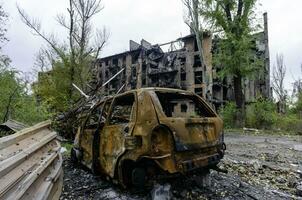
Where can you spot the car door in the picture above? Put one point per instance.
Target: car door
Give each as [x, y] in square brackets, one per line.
[118, 126]
[89, 128]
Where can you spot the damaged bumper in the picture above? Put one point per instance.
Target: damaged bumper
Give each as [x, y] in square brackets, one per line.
[183, 162]
[201, 162]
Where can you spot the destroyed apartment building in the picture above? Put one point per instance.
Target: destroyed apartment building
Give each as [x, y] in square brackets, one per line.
[147, 65]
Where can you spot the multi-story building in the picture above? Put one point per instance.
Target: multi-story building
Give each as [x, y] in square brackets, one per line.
[147, 65]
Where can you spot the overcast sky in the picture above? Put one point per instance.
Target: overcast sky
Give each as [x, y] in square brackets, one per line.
[157, 21]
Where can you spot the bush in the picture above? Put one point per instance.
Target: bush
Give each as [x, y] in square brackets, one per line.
[261, 114]
[228, 114]
[289, 122]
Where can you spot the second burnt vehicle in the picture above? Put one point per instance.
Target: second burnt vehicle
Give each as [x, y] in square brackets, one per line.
[148, 133]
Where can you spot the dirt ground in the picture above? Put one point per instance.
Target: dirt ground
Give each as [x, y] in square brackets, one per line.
[259, 167]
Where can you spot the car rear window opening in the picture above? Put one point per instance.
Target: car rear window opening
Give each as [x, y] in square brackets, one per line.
[183, 105]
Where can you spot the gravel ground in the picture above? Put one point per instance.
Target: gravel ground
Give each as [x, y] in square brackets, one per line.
[259, 167]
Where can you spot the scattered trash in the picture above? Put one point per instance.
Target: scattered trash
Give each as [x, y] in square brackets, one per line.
[63, 149]
[249, 130]
[161, 192]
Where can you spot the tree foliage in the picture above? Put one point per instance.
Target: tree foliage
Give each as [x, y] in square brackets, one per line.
[71, 62]
[234, 21]
[16, 102]
[279, 72]
[63, 64]
[3, 20]
[297, 95]
[261, 114]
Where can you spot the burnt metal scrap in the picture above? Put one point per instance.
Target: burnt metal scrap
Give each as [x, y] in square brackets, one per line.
[31, 164]
[149, 133]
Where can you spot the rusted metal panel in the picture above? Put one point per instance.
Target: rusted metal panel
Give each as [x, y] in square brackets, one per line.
[31, 164]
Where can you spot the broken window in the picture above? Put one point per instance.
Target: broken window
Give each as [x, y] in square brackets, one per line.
[183, 76]
[135, 57]
[198, 77]
[198, 91]
[134, 71]
[115, 61]
[154, 80]
[183, 105]
[122, 110]
[197, 62]
[144, 68]
[182, 60]
[183, 108]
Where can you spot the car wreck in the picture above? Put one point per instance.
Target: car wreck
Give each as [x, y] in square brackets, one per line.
[144, 134]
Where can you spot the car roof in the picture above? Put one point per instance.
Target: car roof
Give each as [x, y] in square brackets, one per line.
[147, 89]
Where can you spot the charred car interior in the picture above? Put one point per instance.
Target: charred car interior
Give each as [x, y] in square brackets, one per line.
[150, 133]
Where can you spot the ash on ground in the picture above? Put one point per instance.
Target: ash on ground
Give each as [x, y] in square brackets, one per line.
[259, 167]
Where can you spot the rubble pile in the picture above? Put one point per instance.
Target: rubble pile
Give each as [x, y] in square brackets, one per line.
[268, 176]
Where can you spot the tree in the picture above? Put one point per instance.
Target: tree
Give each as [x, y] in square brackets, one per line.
[16, 102]
[3, 20]
[234, 19]
[297, 95]
[4, 60]
[199, 26]
[78, 53]
[70, 62]
[279, 72]
[193, 22]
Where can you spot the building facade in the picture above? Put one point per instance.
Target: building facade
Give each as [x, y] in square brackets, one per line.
[147, 65]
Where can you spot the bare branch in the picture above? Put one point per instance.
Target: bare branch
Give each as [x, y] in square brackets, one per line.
[35, 26]
[279, 72]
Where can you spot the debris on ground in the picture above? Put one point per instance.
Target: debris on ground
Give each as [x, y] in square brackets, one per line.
[259, 167]
[161, 192]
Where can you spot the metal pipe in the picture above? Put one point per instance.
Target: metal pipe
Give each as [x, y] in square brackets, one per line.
[113, 77]
[76, 87]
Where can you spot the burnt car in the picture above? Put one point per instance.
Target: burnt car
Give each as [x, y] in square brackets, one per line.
[149, 133]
